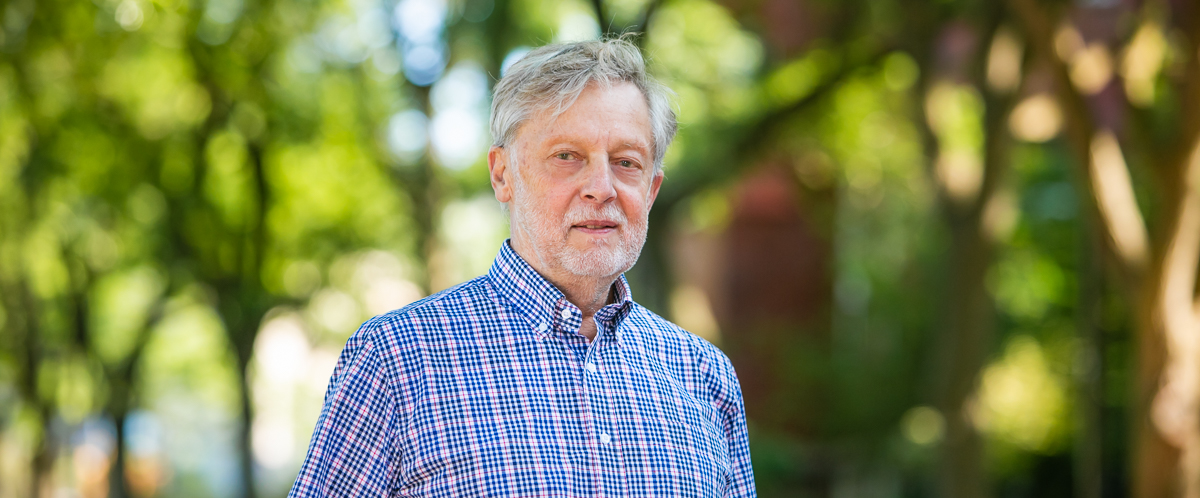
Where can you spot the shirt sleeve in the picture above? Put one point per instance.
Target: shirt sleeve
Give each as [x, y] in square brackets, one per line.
[741, 474]
[353, 449]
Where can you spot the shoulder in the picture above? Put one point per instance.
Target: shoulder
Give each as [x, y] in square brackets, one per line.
[657, 332]
[398, 336]
[391, 347]
[684, 350]
[696, 364]
[461, 302]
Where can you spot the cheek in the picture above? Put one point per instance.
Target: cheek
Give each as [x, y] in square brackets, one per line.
[634, 209]
[634, 199]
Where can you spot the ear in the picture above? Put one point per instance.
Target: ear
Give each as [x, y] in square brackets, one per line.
[655, 184]
[499, 173]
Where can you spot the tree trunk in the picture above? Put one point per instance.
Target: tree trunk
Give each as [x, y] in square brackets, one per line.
[245, 439]
[1169, 339]
[31, 351]
[117, 487]
[421, 183]
[964, 343]
[1159, 274]
[1155, 460]
[969, 314]
[43, 460]
[1089, 446]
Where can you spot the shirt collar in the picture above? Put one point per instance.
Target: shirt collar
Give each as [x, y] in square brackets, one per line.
[542, 303]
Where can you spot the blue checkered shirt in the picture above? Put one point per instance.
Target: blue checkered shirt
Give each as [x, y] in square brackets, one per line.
[488, 389]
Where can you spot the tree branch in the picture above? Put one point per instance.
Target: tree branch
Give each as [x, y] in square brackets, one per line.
[747, 140]
[1187, 230]
[1180, 174]
[1171, 159]
[601, 17]
[760, 132]
[644, 21]
[1113, 192]
[997, 141]
[1181, 258]
[1101, 166]
[1190, 125]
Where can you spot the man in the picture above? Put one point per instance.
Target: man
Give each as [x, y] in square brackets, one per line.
[543, 377]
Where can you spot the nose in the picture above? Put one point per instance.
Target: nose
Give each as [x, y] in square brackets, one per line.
[597, 183]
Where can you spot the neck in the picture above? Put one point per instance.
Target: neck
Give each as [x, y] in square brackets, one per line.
[589, 296]
[588, 293]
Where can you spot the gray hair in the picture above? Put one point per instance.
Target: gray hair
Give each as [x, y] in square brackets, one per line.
[553, 76]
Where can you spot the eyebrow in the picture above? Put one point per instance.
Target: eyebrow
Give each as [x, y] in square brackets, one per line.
[634, 145]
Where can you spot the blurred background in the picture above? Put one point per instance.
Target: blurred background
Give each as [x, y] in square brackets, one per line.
[951, 246]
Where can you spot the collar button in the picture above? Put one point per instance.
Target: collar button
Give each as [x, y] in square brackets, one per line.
[566, 314]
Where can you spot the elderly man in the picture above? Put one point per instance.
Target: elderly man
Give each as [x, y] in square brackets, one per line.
[544, 377]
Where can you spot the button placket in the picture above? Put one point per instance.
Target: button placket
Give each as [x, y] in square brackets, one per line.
[594, 387]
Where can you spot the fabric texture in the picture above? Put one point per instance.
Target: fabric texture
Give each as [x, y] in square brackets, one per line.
[487, 389]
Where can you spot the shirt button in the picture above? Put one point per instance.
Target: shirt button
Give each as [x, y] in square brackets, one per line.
[565, 314]
[605, 438]
[541, 327]
[591, 367]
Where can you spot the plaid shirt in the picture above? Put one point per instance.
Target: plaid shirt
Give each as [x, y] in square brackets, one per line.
[487, 389]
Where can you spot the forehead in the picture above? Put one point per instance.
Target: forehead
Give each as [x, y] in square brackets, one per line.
[610, 113]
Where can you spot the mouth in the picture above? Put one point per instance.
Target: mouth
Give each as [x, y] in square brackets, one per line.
[595, 226]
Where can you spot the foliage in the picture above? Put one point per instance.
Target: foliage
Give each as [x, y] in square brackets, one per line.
[200, 201]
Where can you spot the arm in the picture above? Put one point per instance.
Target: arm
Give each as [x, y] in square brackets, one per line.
[353, 450]
[741, 475]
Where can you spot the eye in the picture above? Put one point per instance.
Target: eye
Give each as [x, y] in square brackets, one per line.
[625, 163]
[565, 156]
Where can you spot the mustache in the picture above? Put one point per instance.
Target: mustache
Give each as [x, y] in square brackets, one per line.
[583, 213]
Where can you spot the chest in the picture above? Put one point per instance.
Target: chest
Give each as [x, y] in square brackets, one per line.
[517, 417]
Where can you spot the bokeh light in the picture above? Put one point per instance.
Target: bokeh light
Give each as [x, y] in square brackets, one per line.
[939, 244]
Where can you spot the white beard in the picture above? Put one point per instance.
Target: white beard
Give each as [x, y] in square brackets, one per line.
[548, 237]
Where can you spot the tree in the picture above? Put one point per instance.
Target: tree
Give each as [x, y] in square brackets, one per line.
[1157, 265]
